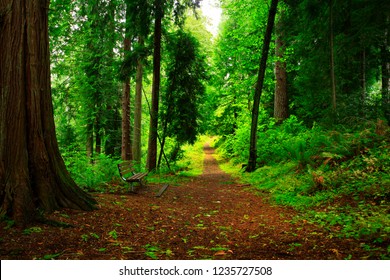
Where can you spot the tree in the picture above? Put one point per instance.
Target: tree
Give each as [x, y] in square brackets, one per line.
[236, 58]
[332, 62]
[186, 72]
[138, 107]
[178, 9]
[281, 97]
[126, 151]
[153, 130]
[139, 22]
[385, 64]
[259, 87]
[32, 172]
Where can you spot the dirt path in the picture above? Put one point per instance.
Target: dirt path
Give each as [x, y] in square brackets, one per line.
[207, 217]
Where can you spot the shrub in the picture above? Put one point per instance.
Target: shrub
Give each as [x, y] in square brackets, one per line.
[92, 174]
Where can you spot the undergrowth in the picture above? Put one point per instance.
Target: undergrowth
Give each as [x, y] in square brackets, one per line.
[100, 173]
[190, 164]
[95, 174]
[339, 179]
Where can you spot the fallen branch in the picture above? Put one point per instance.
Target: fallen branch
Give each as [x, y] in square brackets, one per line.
[244, 185]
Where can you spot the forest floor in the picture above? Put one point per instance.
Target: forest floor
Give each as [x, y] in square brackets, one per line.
[206, 217]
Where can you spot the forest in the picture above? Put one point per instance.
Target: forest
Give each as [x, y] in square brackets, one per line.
[270, 133]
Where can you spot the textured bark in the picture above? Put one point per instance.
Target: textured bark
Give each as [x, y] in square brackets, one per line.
[281, 97]
[152, 147]
[251, 166]
[32, 172]
[138, 111]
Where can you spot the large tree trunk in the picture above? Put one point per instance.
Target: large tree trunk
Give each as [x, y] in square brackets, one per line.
[32, 172]
[259, 87]
[281, 97]
[152, 148]
[138, 109]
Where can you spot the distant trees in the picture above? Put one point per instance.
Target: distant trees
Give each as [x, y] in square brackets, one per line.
[175, 9]
[111, 55]
[186, 73]
[346, 37]
[330, 59]
[85, 83]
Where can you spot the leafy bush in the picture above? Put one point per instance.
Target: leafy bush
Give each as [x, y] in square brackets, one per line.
[91, 174]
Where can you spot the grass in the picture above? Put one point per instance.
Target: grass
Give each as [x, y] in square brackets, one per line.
[190, 165]
[344, 183]
[192, 161]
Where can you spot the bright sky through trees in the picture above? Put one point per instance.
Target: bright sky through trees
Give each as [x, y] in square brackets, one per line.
[211, 9]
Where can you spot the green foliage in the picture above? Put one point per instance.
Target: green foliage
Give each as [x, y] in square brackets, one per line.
[92, 174]
[152, 251]
[113, 234]
[31, 230]
[189, 164]
[186, 73]
[366, 222]
[192, 162]
[356, 27]
[337, 178]
[51, 256]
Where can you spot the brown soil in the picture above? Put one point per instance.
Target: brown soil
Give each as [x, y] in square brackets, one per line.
[207, 217]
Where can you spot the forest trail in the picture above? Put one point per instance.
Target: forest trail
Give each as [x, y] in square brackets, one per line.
[206, 217]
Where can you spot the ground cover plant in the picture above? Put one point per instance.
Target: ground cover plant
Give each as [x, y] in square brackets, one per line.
[339, 180]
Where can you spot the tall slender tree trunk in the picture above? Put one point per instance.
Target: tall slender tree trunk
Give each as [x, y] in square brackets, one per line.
[98, 129]
[152, 147]
[138, 110]
[126, 139]
[32, 172]
[126, 152]
[332, 71]
[259, 87]
[364, 83]
[281, 97]
[385, 57]
[89, 144]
